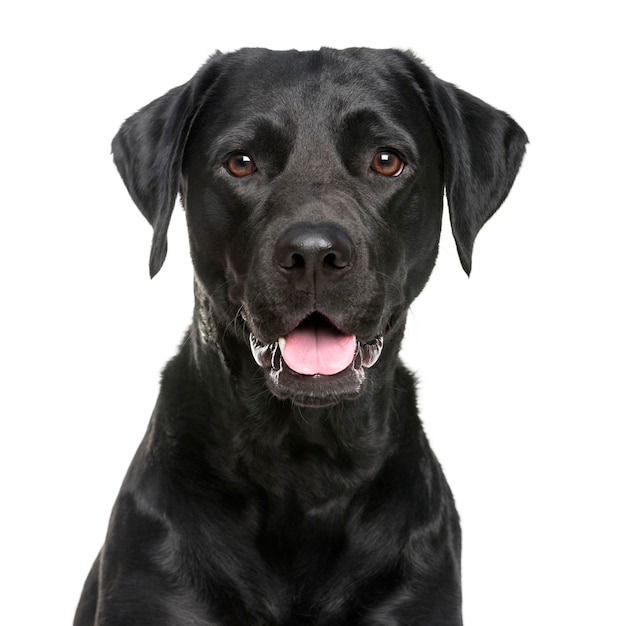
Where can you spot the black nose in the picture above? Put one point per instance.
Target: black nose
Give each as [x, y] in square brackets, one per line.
[313, 255]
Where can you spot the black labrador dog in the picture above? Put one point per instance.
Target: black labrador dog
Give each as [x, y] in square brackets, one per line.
[285, 477]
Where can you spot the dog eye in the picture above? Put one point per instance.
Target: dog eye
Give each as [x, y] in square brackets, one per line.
[240, 165]
[387, 163]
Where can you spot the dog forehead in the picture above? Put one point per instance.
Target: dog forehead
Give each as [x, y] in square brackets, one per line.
[323, 81]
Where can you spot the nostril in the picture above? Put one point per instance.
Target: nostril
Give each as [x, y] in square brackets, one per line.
[297, 261]
[288, 259]
[337, 260]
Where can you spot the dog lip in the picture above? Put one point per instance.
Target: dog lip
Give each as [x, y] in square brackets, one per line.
[370, 351]
[264, 354]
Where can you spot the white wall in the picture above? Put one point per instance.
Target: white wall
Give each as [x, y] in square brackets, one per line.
[517, 364]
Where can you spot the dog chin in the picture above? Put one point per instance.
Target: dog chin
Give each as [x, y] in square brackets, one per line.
[316, 390]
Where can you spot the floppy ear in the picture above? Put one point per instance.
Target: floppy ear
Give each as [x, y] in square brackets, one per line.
[148, 151]
[483, 149]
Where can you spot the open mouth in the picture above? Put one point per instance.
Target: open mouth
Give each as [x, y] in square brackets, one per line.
[316, 364]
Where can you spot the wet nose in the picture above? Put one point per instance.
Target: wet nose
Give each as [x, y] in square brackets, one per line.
[313, 256]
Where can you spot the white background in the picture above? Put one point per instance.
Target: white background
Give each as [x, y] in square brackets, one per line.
[517, 365]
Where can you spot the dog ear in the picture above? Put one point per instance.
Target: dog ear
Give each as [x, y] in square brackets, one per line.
[483, 149]
[148, 151]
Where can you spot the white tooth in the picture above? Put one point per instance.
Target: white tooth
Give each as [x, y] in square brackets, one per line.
[281, 342]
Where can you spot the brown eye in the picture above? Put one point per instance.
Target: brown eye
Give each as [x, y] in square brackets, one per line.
[387, 163]
[240, 165]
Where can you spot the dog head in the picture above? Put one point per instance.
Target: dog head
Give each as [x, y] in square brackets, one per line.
[313, 186]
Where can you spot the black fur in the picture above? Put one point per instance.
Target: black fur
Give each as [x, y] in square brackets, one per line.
[259, 498]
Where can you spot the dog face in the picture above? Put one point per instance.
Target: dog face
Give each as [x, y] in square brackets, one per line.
[313, 185]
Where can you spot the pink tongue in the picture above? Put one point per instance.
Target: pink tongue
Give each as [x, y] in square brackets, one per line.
[318, 349]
